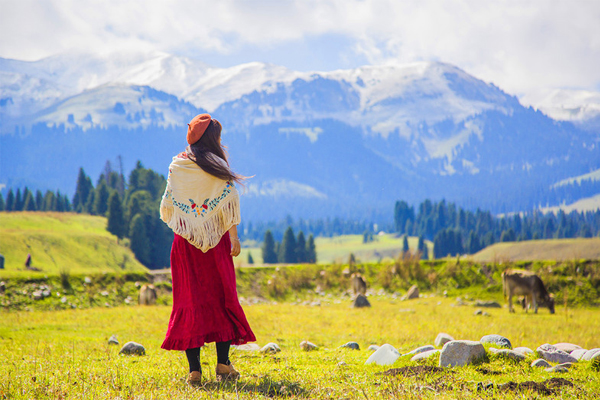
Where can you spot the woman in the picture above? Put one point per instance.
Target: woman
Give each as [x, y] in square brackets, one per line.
[201, 206]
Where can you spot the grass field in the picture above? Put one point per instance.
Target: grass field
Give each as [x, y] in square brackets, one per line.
[551, 249]
[338, 249]
[65, 355]
[61, 241]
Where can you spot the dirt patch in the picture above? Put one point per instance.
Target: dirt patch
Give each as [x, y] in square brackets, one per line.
[415, 370]
[546, 388]
[486, 371]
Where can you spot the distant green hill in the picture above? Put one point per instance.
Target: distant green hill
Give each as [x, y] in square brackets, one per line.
[61, 241]
[551, 249]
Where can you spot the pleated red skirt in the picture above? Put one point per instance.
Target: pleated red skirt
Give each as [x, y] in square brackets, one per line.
[205, 302]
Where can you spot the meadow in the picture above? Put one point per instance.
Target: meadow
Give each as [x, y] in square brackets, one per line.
[65, 354]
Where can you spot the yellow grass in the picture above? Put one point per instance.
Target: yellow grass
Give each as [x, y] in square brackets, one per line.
[554, 249]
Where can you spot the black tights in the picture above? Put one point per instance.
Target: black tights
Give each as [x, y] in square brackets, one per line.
[193, 356]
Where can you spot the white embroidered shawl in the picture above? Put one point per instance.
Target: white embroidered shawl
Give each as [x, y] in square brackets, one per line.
[198, 206]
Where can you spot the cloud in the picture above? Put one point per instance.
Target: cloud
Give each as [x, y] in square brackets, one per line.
[522, 46]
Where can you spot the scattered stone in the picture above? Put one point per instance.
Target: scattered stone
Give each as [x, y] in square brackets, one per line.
[524, 350]
[87, 280]
[487, 304]
[413, 293]
[596, 357]
[557, 368]
[478, 312]
[63, 300]
[385, 355]
[248, 347]
[511, 354]
[316, 303]
[567, 347]
[485, 314]
[270, 348]
[407, 310]
[589, 354]
[461, 352]
[424, 355]
[421, 349]
[361, 301]
[104, 293]
[133, 348]
[540, 362]
[413, 370]
[341, 364]
[578, 353]
[496, 340]
[373, 347]
[2, 287]
[566, 365]
[552, 354]
[113, 340]
[308, 346]
[351, 345]
[442, 339]
[37, 295]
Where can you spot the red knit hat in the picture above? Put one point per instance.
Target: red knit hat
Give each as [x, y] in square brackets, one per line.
[197, 127]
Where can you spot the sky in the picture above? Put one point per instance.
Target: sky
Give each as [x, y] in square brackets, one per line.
[526, 47]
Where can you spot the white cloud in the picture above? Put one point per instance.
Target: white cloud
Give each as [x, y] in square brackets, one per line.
[522, 46]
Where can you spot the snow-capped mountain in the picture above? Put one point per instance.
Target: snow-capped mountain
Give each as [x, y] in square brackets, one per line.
[317, 142]
[581, 107]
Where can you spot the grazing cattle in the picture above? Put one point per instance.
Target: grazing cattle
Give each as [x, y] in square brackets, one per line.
[358, 284]
[147, 295]
[517, 282]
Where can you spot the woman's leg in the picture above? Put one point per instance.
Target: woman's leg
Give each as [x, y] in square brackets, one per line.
[223, 352]
[193, 356]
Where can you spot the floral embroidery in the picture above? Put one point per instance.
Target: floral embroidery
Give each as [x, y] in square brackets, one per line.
[206, 206]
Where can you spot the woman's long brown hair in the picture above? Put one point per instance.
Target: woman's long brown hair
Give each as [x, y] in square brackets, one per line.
[203, 153]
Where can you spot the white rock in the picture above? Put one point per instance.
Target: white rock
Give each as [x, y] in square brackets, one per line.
[540, 362]
[373, 347]
[133, 348]
[308, 346]
[513, 355]
[461, 352]
[523, 350]
[421, 349]
[589, 354]
[385, 355]
[552, 354]
[578, 354]
[248, 347]
[442, 339]
[425, 355]
[567, 347]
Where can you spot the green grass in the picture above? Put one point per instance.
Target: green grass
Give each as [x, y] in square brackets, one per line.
[61, 242]
[65, 355]
[338, 249]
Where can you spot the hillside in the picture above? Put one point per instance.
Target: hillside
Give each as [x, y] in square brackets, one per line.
[61, 242]
[556, 249]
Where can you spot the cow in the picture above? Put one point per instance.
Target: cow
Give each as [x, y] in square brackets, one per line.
[147, 295]
[518, 282]
[359, 286]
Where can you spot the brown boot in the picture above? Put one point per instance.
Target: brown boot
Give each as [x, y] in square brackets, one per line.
[194, 378]
[226, 373]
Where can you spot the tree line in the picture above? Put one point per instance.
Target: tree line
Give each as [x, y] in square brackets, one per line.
[29, 201]
[455, 230]
[290, 250]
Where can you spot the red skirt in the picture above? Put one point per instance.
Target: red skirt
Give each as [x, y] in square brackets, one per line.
[205, 302]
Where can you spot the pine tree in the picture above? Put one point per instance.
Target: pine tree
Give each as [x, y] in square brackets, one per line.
[311, 250]
[250, 259]
[49, 201]
[287, 251]
[82, 191]
[425, 253]
[301, 255]
[140, 245]
[2, 205]
[116, 218]
[268, 249]
[422, 248]
[60, 202]
[39, 200]
[405, 248]
[18, 201]
[101, 198]
[29, 203]
[10, 201]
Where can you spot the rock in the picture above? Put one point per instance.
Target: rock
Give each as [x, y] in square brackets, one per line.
[478, 312]
[524, 350]
[425, 355]
[361, 301]
[37, 295]
[557, 368]
[567, 347]
[552, 354]
[578, 353]
[540, 362]
[595, 357]
[511, 354]
[458, 353]
[385, 355]
[270, 348]
[104, 293]
[63, 299]
[442, 339]
[413, 293]
[308, 346]
[496, 340]
[566, 365]
[373, 347]
[247, 347]
[341, 364]
[489, 304]
[351, 345]
[133, 348]
[485, 314]
[113, 340]
[421, 349]
[589, 354]
[87, 280]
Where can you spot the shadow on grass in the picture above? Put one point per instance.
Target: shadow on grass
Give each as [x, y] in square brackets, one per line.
[265, 386]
